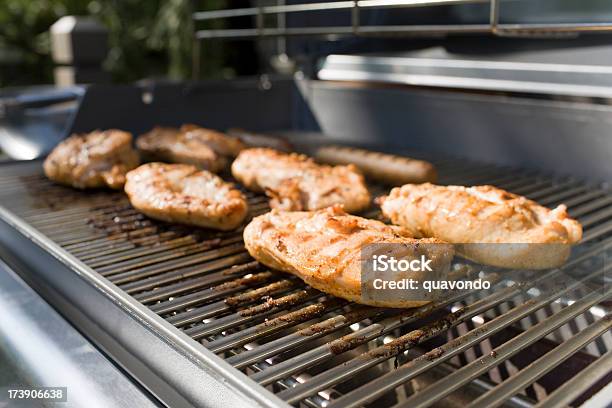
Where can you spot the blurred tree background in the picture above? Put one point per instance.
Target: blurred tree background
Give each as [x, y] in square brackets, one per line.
[148, 39]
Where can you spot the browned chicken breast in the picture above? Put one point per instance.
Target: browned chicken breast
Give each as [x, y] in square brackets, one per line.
[221, 143]
[205, 148]
[481, 216]
[96, 159]
[324, 247]
[181, 193]
[295, 182]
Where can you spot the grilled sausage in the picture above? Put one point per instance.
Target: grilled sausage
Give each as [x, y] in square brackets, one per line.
[387, 168]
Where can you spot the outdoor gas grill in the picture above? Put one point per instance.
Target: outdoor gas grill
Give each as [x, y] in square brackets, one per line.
[190, 317]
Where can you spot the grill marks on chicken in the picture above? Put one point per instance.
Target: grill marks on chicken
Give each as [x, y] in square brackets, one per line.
[181, 193]
[323, 248]
[533, 236]
[479, 215]
[205, 148]
[96, 159]
[295, 182]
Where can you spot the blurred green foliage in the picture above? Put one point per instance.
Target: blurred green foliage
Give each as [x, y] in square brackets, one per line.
[148, 38]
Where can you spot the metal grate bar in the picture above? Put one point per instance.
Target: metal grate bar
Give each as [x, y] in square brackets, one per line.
[593, 205]
[371, 358]
[114, 240]
[147, 271]
[380, 354]
[180, 274]
[129, 239]
[555, 188]
[572, 389]
[86, 254]
[246, 298]
[462, 376]
[135, 264]
[219, 278]
[414, 368]
[126, 255]
[541, 366]
[598, 232]
[73, 214]
[350, 341]
[567, 196]
[596, 217]
[530, 189]
[208, 286]
[253, 313]
[333, 324]
[220, 291]
[308, 334]
[284, 321]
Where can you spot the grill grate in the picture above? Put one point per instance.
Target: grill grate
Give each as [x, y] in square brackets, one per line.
[317, 350]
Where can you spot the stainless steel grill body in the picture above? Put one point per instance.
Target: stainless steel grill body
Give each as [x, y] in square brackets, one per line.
[199, 322]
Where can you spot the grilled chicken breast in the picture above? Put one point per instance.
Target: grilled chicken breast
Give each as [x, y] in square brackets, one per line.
[96, 159]
[295, 182]
[478, 217]
[221, 143]
[323, 248]
[205, 148]
[182, 193]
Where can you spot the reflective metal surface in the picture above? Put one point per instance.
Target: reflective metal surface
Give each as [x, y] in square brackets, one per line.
[45, 350]
[33, 120]
[473, 74]
[166, 362]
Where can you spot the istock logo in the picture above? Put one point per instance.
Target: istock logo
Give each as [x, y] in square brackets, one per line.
[384, 263]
